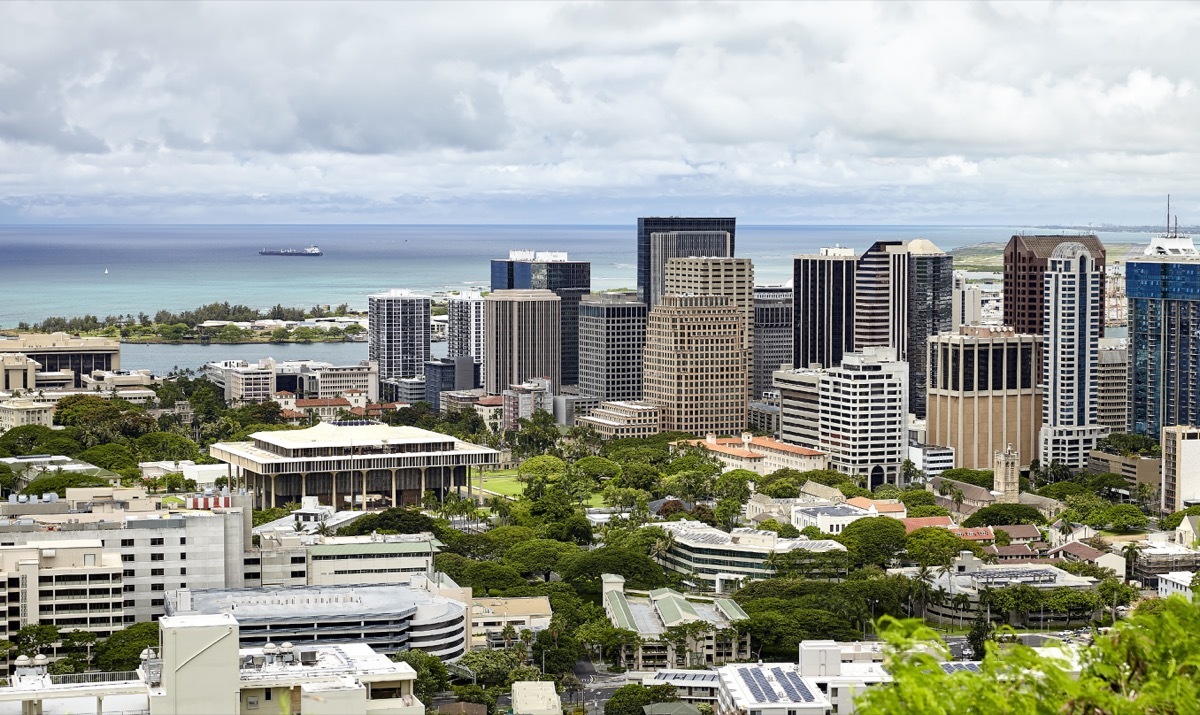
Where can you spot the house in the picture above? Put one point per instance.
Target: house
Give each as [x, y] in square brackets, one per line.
[1188, 531]
[913, 523]
[1079, 551]
[1013, 552]
[1021, 533]
[883, 507]
[976, 535]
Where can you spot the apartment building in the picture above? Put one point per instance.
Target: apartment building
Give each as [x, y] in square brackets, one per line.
[619, 419]
[71, 584]
[1180, 467]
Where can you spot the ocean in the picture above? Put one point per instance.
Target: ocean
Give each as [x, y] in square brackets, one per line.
[116, 270]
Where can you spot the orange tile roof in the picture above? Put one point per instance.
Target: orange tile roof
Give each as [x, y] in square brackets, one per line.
[882, 507]
[324, 402]
[492, 401]
[913, 523]
[983, 533]
[772, 443]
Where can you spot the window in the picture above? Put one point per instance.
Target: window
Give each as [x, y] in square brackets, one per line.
[297, 559]
[128, 603]
[183, 572]
[183, 541]
[157, 587]
[128, 573]
[157, 602]
[156, 557]
[127, 558]
[297, 574]
[125, 543]
[156, 541]
[127, 588]
[157, 572]
[253, 575]
[183, 557]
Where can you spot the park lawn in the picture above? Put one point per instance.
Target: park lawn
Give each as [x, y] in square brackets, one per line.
[510, 487]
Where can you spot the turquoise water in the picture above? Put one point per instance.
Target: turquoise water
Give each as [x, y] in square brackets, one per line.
[60, 270]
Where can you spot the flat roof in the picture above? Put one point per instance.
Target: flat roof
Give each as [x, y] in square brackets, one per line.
[294, 602]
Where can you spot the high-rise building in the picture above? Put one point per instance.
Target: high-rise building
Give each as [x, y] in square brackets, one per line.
[555, 272]
[823, 307]
[612, 334]
[903, 296]
[800, 405]
[732, 278]
[522, 338]
[1112, 385]
[1163, 288]
[682, 244]
[983, 394]
[694, 365]
[773, 332]
[1073, 309]
[464, 325]
[1025, 261]
[668, 224]
[1180, 467]
[398, 333]
[968, 302]
[449, 374]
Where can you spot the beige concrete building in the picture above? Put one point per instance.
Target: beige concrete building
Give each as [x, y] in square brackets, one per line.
[19, 412]
[1180, 467]
[535, 697]
[984, 394]
[615, 420]
[522, 338]
[72, 584]
[489, 617]
[1136, 469]
[56, 352]
[732, 278]
[342, 463]
[1112, 385]
[761, 455]
[17, 372]
[695, 365]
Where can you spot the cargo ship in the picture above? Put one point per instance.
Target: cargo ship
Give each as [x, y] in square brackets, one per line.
[310, 251]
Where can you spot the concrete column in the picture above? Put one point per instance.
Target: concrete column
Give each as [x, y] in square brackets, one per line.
[422, 482]
[271, 504]
[333, 491]
[303, 484]
[393, 471]
[99, 705]
[364, 493]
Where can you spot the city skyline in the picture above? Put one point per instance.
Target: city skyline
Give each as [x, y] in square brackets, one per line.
[777, 113]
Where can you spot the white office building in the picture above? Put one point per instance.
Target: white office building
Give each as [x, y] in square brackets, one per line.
[464, 325]
[1070, 359]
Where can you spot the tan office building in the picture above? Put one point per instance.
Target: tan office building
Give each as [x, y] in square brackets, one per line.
[56, 352]
[522, 339]
[983, 394]
[695, 366]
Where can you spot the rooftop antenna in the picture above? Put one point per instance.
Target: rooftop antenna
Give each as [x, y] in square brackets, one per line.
[1168, 214]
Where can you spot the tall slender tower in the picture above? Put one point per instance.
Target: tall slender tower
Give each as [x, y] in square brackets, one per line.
[1025, 261]
[464, 325]
[521, 338]
[398, 333]
[650, 225]
[903, 296]
[612, 334]
[552, 271]
[773, 330]
[823, 307]
[1070, 361]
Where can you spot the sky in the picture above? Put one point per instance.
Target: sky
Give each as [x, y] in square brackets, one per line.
[1019, 113]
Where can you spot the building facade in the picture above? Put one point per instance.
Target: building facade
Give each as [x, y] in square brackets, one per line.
[612, 336]
[555, 272]
[1164, 339]
[340, 463]
[694, 365]
[449, 374]
[1112, 385]
[398, 333]
[823, 307]
[620, 419]
[1180, 467]
[648, 261]
[863, 416]
[773, 333]
[60, 352]
[464, 325]
[522, 338]
[1025, 262]
[1070, 359]
[983, 393]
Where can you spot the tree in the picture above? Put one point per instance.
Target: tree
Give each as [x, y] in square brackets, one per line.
[638, 475]
[491, 666]
[912, 498]
[162, 446]
[1170, 522]
[60, 482]
[923, 510]
[432, 676]
[639, 570]
[874, 540]
[630, 699]
[538, 557]
[734, 485]
[397, 520]
[1125, 518]
[597, 469]
[33, 639]
[123, 649]
[1003, 515]
[934, 546]
[113, 456]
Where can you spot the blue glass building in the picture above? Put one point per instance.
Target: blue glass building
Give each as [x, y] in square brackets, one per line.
[1164, 342]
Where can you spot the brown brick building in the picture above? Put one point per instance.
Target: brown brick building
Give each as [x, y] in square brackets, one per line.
[1025, 259]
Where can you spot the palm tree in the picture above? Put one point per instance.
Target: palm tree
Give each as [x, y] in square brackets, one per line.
[961, 602]
[939, 596]
[509, 634]
[1130, 552]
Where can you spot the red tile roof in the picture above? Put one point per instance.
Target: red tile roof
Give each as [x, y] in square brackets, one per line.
[913, 523]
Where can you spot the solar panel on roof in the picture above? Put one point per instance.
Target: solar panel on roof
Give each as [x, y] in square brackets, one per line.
[768, 691]
[752, 686]
[789, 689]
[795, 680]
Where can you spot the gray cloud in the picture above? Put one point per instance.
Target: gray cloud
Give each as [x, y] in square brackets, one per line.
[806, 112]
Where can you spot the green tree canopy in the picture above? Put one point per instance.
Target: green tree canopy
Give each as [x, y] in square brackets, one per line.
[630, 699]
[916, 512]
[934, 546]
[912, 498]
[491, 666]
[640, 571]
[123, 649]
[59, 482]
[538, 557]
[113, 456]
[1003, 515]
[874, 540]
[165, 446]
[432, 676]
[1171, 522]
[397, 520]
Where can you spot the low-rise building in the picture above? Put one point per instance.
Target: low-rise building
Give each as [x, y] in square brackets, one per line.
[720, 561]
[761, 455]
[617, 420]
[1137, 469]
[696, 687]
[675, 631]
[1155, 558]
[243, 383]
[768, 689]
[70, 584]
[521, 401]
[18, 412]
[1079, 551]
[828, 518]
[490, 616]
[1175, 582]
[931, 459]
[535, 697]
[388, 618]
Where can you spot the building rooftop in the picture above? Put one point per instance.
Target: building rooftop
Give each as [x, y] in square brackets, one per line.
[698, 533]
[775, 686]
[296, 602]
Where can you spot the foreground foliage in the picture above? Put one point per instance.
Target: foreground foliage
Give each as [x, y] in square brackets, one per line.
[1148, 664]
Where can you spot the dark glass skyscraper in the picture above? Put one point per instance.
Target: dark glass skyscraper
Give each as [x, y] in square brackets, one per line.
[1164, 342]
[823, 307]
[552, 271]
[647, 226]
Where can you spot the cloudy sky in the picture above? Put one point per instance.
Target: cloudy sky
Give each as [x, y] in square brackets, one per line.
[1019, 113]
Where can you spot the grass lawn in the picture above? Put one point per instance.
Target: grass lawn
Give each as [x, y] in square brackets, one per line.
[510, 487]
